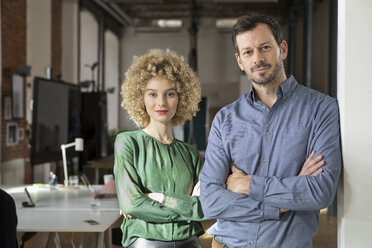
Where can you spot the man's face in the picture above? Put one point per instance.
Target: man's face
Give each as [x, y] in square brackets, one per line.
[260, 57]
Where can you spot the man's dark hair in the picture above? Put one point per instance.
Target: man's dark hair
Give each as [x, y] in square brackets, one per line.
[250, 21]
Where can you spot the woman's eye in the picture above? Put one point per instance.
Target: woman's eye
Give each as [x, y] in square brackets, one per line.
[152, 94]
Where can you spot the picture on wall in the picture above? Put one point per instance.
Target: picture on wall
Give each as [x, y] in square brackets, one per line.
[21, 133]
[11, 134]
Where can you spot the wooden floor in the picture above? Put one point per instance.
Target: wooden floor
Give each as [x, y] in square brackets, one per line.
[327, 234]
[325, 238]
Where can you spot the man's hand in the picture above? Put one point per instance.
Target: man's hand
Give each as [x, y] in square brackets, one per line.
[312, 166]
[158, 197]
[238, 181]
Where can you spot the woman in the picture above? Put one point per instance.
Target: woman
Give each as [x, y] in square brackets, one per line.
[155, 173]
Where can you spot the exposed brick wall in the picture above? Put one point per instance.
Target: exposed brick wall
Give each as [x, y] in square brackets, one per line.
[13, 52]
[56, 38]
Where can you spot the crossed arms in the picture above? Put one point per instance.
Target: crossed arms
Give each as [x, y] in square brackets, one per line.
[238, 181]
[232, 198]
[155, 207]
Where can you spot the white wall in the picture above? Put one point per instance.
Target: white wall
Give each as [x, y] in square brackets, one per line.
[112, 78]
[216, 59]
[70, 16]
[88, 45]
[354, 94]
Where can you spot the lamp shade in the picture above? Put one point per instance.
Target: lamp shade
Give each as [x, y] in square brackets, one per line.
[79, 146]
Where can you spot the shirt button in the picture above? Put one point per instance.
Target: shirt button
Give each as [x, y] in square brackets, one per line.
[284, 98]
[265, 159]
[264, 108]
[267, 132]
[251, 242]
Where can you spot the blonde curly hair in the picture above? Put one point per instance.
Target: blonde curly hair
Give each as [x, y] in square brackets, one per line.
[168, 64]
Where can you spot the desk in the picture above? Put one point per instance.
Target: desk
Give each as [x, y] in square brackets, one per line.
[65, 210]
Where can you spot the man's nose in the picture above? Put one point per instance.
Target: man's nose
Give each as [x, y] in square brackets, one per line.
[258, 58]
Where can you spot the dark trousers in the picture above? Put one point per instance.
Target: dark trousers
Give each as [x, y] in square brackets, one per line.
[192, 242]
[8, 221]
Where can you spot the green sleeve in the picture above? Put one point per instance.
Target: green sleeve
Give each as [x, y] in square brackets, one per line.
[132, 200]
[188, 207]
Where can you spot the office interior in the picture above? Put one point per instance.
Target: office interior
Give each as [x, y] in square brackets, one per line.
[91, 43]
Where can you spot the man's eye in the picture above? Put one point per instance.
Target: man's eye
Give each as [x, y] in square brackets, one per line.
[247, 52]
[266, 48]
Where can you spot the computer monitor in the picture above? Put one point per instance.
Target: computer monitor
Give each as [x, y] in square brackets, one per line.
[55, 119]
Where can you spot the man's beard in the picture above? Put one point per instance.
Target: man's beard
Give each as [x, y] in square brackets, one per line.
[269, 78]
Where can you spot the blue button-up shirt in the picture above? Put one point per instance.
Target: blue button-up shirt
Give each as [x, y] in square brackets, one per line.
[272, 146]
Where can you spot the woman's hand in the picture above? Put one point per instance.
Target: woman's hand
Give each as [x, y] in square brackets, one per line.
[158, 197]
[126, 216]
[196, 190]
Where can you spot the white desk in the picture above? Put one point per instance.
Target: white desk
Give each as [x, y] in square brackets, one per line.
[65, 210]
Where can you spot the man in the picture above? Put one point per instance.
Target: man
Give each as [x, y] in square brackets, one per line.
[281, 142]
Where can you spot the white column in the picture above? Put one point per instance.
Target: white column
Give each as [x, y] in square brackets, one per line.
[354, 94]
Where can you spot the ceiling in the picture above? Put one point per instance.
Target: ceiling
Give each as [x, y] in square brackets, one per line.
[158, 9]
[143, 11]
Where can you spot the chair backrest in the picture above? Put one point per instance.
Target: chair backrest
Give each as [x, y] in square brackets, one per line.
[9, 221]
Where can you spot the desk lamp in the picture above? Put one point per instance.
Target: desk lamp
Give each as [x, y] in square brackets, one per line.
[79, 146]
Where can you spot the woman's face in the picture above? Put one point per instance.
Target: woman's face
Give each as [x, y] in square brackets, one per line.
[161, 100]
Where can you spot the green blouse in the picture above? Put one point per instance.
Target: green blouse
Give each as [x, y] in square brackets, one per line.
[143, 165]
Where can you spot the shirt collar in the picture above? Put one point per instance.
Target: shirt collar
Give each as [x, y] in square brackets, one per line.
[284, 89]
[287, 86]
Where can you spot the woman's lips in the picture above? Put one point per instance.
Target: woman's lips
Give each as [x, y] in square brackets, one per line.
[161, 112]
